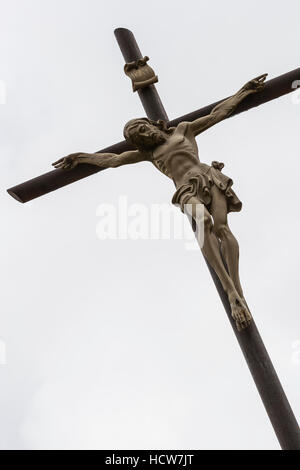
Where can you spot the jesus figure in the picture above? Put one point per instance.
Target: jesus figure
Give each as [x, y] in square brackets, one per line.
[174, 152]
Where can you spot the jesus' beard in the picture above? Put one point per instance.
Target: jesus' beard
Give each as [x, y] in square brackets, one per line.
[159, 138]
[156, 139]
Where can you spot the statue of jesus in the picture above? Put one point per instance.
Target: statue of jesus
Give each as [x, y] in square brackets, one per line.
[174, 152]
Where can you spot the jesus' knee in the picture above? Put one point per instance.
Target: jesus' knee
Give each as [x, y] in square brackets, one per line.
[224, 234]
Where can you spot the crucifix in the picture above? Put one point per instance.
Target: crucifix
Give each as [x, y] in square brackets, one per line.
[203, 192]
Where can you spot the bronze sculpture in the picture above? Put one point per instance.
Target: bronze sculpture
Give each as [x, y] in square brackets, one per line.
[264, 375]
[174, 152]
[141, 74]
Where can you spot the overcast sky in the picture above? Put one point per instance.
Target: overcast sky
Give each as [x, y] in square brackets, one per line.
[124, 343]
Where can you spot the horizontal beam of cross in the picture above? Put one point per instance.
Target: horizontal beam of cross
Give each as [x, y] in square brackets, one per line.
[56, 179]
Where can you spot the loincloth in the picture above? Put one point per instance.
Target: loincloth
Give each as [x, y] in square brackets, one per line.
[199, 183]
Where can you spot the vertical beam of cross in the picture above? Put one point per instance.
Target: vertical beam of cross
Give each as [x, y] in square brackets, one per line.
[252, 346]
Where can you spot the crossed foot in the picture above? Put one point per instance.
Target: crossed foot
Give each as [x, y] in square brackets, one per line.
[239, 311]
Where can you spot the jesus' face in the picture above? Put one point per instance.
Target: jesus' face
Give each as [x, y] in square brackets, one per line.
[146, 135]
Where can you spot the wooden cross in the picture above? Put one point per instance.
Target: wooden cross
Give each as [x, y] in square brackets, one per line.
[259, 363]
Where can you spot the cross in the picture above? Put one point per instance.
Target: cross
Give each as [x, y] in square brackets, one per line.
[143, 79]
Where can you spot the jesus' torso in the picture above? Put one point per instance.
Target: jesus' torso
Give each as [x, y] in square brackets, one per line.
[178, 157]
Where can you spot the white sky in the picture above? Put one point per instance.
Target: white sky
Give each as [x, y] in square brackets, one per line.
[122, 343]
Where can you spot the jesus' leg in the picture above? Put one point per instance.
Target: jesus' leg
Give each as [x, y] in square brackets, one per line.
[229, 244]
[211, 250]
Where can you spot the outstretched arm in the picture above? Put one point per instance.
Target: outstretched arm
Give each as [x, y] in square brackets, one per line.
[103, 160]
[224, 109]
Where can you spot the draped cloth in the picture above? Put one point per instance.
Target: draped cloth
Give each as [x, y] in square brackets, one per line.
[198, 183]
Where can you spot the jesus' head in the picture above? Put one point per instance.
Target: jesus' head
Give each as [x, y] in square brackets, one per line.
[145, 134]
